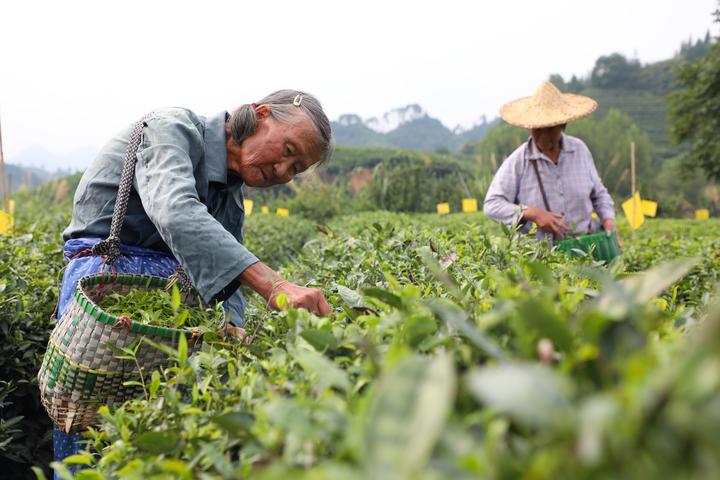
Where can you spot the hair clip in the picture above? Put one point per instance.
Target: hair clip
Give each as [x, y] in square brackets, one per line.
[298, 99]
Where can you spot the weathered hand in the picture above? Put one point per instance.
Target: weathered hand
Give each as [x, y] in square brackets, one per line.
[238, 333]
[550, 222]
[609, 226]
[311, 299]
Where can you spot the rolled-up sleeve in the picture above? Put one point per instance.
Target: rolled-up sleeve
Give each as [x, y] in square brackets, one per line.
[500, 200]
[601, 200]
[210, 254]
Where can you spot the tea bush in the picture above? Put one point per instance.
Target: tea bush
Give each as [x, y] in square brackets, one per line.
[29, 265]
[452, 352]
[455, 349]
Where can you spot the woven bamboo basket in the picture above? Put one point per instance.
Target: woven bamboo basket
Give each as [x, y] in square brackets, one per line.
[80, 372]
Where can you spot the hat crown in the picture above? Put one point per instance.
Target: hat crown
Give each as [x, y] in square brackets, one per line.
[548, 95]
[547, 107]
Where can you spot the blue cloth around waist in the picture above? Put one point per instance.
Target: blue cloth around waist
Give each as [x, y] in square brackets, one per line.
[137, 260]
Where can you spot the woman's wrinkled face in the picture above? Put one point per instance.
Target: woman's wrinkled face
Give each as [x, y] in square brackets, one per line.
[278, 151]
[548, 138]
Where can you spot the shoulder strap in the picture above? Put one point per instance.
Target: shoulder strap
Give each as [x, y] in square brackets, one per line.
[542, 187]
[110, 247]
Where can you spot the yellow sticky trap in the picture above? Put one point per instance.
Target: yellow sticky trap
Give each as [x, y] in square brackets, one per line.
[6, 222]
[649, 208]
[283, 212]
[11, 207]
[443, 208]
[633, 211]
[265, 209]
[248, 205]
[702, 214]
[469, 205]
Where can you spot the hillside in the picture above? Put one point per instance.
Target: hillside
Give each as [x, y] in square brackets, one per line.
[27, 177]
[408, 127]
[637, 90]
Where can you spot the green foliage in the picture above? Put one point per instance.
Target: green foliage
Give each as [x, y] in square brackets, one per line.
[473, 351]
[29, 264]
[639, 91]
[695, 111]
[680, 190]
[616, 71]
[261, 237]
[609, 138]
[320, 201]
[410, 186]
[161, 308]
[428, 366]
[500, 141]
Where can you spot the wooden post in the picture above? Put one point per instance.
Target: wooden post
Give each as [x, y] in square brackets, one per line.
[632, 180]
[2, 174]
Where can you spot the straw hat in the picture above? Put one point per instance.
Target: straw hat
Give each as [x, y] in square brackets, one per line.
[546, 108]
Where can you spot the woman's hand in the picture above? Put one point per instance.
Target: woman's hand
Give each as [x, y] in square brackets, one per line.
[238, 333]
[311, 299]
[269, 285]
[550, 222]
[609, 225]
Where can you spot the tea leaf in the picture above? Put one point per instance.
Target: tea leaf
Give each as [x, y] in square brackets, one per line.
[319, 339]
[157, 442]
[529, 393]
[384, 296]
[405, 416]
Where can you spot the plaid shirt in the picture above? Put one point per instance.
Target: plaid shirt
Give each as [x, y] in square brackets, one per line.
[573, 187]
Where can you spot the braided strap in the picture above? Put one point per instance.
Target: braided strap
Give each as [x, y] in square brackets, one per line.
[180, 277]
[110, 247]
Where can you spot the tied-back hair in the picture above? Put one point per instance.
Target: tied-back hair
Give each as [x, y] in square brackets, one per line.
[284, 105]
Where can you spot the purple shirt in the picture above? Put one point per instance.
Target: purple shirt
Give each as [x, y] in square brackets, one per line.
[573, 187]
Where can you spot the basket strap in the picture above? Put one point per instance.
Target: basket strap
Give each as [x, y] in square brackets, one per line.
[542, 187]
[110, 247]
[180, 277]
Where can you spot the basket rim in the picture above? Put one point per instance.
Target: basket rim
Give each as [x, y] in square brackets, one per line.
[95, 311]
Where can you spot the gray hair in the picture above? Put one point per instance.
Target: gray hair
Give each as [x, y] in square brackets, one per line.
[284, 105]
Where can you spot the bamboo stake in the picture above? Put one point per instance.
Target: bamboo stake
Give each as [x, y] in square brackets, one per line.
[2, 174]
[632, 180]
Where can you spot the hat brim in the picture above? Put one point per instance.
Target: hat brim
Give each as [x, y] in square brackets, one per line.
[528, 113]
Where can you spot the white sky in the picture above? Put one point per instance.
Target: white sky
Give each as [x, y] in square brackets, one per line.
[72, 73]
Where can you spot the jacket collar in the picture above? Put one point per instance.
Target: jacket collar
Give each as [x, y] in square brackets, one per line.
[534, 153]
[216, 148]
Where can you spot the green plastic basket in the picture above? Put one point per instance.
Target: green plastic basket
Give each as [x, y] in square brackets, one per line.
[604, 245]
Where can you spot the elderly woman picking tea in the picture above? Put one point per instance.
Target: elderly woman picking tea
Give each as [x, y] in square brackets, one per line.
[186, 204]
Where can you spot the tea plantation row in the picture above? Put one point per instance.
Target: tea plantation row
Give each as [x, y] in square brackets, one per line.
[454, 350]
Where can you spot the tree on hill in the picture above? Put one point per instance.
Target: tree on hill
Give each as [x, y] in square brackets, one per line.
[695, 111]
[615, 71]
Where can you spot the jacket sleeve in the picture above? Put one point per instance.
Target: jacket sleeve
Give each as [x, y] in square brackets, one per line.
[166, 160]
[500, 200]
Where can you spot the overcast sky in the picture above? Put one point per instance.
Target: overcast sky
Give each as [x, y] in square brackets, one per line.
[72, 73]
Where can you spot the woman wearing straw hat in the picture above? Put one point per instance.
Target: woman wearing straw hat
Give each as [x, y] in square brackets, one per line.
[551, 179]
[183, 175]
